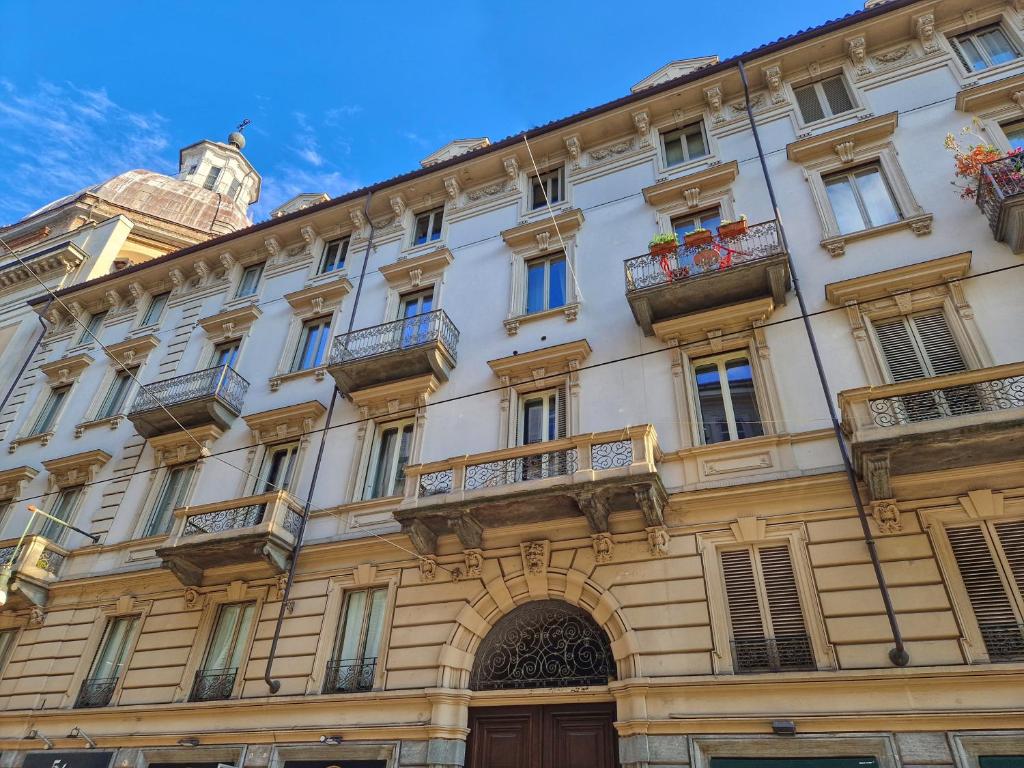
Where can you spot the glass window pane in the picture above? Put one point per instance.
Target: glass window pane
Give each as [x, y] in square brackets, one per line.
[710, 221]
[744, 403]
[536, 194]
[422, 225]
[171, 496]
[533, 421]
[555, 187]
[556, 283]
[683, 226]
[712, 404]
[114, 652]
[997, 46]
[1015, 135]
[535, 286]
[695, 147]
[876, 198]
[674, 153]
[844, 205]
[375, 623]
[972, 54]
[352, 625]
[385, 456]
[437, 218]
[404, 447]
[62, 510]
[156, 309]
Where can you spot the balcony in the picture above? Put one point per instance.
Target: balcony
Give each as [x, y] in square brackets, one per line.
[943, 422]
[726, 271]
[254, 535]
[213, 685]
[1000, 197]
[96, 692]
[36, 566]
[593, 475]
[350, 675]
[212, 396]
[768, 654]
[413, 346]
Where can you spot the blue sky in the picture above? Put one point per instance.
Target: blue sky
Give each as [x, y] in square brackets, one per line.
[339, 94]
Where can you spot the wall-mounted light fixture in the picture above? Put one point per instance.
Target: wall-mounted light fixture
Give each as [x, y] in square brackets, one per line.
[78, 733]
[783, 727]
[34, 734]
[333, 739]
[190, 741]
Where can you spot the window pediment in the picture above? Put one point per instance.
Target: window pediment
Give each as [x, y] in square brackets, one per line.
[693, 185]
[77, 469]
[395, 397]
[179, 447]
[411, 272]
[540, 363]
[843, 141]
[715, 323]
[66, 369]
[542, 234]
[283, 423]
[319, 299]
[134, 350]
[900, 280]
[231, 323]
[12, 481]
[1008, 91]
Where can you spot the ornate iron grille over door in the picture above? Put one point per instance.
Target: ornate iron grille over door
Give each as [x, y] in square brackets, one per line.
[543, 644]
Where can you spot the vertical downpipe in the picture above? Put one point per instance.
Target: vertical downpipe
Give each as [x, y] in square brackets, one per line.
[898, 654]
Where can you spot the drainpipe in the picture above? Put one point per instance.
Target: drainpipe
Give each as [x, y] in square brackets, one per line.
[28, 358]
[273, 684]
[898, 654]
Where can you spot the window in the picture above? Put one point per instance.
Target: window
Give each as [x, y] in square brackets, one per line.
[428, 226]
[545, 283]
[417, 303]
[62, 509]
[316, 333]
[822, 99]
[250, 280]
[109, 664]
[542, 416]
[278, 468]
[765, 617]
[334, 256]
[155, 309]
[92, 328]
[226, 353]
[7, 638]
[990, 557]
[861, 199]
[984, 48]
[117, 394]
[1015, 135]
[388, 457]
[726, 400]
[685, 144]
[546, 189]
[216, 679]
[235, 189]
[922, 346]
[355, 653]
[172, 494]
[211, 178]
[48, 414]
[684, 225]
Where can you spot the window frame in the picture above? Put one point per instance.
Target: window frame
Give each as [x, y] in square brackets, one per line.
[547, 259]
[243, 644]
[160, 489]
[823, 102]
[213, 177]
[259, 268]
[373, 468]
[851, 175]
[34, 428]
[119, 375]
[972, 34]
[127, 649]
[544, 395]
[61, 531]
[94, 326]
[6, 651]
[558, 176]
[293, 449]
[370, 590]
[678, 133]
[324, 322]
[155, 300]
[721, 360]
[341, 258]
[220, 346]
[430, 215]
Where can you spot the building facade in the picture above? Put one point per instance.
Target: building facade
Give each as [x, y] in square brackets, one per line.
[563, 498]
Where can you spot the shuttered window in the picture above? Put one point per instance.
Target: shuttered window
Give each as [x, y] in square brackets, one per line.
[542, 417]
[922, 346]
[822, 99]
[765, 616]
[990, 557]
[984, 48]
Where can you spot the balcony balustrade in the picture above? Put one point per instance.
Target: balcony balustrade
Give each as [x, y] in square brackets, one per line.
[36, 565]
[593, 474]
[255, 535]
[213, 685]
[211, 396]
[1004, 642]
[1000, 196]
[96, 692]
[942, 422]
[725, 271]
[350, 675]
[767, 654]
[413, 346]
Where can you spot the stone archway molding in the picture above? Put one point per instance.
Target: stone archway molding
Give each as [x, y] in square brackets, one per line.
[502, 595]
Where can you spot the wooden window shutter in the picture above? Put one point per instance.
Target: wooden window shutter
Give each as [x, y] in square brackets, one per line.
[985, 590]
[1011, 539]
[741, 595]
[955, 45]
[787, 618]
[939, 345]
[561, 417]
[900, 352]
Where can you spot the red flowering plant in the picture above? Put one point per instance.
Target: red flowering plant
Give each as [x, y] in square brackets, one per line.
[970, 159]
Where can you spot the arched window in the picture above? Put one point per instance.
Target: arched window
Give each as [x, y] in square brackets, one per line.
[543, 644]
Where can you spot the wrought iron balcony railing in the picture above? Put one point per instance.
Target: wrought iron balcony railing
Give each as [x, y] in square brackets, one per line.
[777, 654]
[350, 675]
[213, 685]
[406, 333]
[760, 241]
[1004, 642]
[96, 692]
[998, 182]
[222, 382]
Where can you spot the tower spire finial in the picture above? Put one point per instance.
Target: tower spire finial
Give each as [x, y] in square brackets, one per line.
[235, 138]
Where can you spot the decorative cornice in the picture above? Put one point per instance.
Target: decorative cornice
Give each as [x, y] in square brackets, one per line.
[911, 277]
[321, 298]
[230, 323]
[842, 140]
[67, 368]
[397, 396]
[721, 320]
[978, 98]
[77, 469]
[283, 423]
[716, 177]
[12, 480]
[412, 271]
[134, 350]
[529, 233]
[178, 447]
[547, 361]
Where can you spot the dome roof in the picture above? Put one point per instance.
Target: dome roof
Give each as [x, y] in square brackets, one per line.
[166, 198]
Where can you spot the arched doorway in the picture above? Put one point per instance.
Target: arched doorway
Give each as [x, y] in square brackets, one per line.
[543, 644]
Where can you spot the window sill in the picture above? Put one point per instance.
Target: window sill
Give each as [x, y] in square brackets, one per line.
[241, 301]
[411, 251]
[828, 123]
[317, 374]
[326, 277]
[571, 312]
[111, 422]
[533, 214]
[920, 225]
[43, 438]
[980, 76]
[667, 172]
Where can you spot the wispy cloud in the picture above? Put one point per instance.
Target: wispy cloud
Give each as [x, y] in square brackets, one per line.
[59, 138]
[286, 181]
[335, 115]
[305, 143]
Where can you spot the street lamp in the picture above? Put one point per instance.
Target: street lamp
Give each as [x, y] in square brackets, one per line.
[7, 569]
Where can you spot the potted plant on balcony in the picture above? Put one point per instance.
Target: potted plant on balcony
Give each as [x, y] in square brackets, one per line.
[732, 228]
[698, 237]
[664, 244]
[970, 159]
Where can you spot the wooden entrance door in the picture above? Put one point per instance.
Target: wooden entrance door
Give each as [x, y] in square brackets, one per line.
[555, 736]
